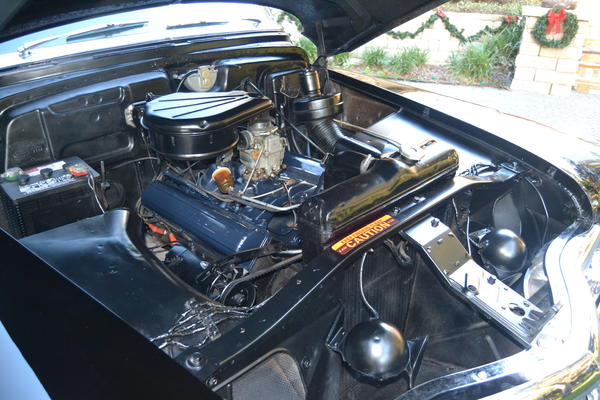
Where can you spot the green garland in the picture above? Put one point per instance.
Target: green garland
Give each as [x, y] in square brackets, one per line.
[454, 30]
[570, 27]
[439, 14]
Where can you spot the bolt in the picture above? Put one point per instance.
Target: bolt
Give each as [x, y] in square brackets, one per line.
[491, 280]
[306, 363]
[428, 249]
[450, 234]
[472, 289]
[526, 303]
[298, 281]
[456, 263]
[194, 360]
[212, 382]
[440, 241]
[435, 222]
[242, 330]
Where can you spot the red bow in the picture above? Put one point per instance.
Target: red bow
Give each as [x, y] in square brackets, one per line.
[555, 19]
[441, 13]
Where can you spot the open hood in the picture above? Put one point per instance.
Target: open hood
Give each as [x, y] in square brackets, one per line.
[345, 24]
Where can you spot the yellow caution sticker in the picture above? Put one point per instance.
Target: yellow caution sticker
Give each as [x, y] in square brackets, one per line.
[365, 233]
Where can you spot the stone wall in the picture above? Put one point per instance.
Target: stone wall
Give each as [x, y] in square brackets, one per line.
[547, 70]
[437, 39]
[588, 75]
[539, 70]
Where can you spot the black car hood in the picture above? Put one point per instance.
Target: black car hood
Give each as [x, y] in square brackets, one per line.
[345, 24]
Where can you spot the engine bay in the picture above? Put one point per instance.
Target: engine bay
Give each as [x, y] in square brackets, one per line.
[266, 198]
[275, 229]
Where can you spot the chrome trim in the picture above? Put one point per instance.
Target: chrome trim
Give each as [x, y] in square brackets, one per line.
[25, 50]
[118, 43]
[564, 358]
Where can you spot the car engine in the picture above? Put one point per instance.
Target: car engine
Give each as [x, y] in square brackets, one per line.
[278, 231]
[231, 186]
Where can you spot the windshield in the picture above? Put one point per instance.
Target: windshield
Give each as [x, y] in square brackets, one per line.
[172, 21]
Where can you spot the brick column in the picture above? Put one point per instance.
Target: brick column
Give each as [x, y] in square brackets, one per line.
[547, 70]
[588, 76]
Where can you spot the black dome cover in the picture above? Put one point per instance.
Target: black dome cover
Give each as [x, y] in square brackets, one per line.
[199, 125]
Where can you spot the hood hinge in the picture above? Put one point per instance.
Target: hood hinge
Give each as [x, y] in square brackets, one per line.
[321, 60]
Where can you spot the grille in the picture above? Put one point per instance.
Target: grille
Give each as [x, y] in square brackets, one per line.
[387, 287]
[277, 378]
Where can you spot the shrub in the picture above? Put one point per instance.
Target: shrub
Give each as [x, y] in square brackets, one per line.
[418, 56]
[286, 16]
[505, 44]
[342, 59]
[308, 46]
[474, 61]
[408, 59]
[373, 57]
[400, 64]
[477, 60]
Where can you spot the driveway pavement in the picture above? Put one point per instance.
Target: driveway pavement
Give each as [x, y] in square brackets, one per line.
[578, 113]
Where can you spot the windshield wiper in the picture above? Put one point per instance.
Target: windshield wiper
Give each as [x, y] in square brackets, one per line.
[25, 50]
[196, 24]
[209, 23]
[106, 31]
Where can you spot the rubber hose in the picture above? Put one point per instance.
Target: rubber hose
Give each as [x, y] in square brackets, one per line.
[329, 136]
[326, 133]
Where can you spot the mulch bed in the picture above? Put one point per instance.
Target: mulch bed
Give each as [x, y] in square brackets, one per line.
[500, 78]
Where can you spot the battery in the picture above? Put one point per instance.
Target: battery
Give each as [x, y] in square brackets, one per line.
[48, 196]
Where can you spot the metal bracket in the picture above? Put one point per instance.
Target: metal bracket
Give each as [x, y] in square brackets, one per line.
[519, 317]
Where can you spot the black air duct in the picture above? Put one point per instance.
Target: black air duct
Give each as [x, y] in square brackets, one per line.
[317, 110]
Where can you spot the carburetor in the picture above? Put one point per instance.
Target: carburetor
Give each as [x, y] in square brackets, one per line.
[261, 150]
